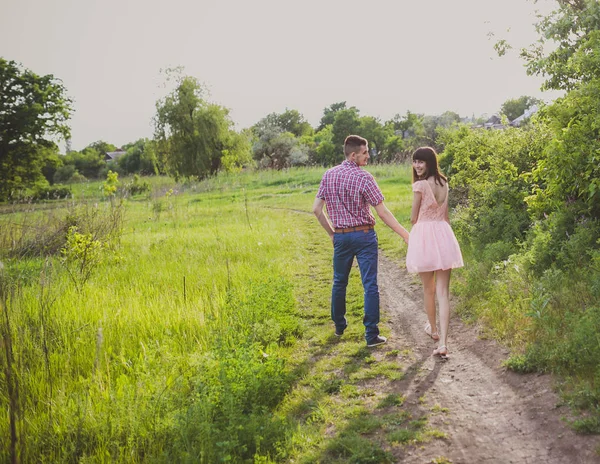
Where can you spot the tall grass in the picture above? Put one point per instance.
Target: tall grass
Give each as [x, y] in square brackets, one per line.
[177, 348]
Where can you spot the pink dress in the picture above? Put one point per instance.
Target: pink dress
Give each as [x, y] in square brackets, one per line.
[432, 245]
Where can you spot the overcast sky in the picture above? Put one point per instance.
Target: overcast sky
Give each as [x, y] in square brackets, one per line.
[262, 56]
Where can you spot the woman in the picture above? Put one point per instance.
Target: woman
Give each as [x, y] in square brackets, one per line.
[432, 249]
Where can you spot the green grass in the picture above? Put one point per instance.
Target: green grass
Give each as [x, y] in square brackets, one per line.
[208, 337]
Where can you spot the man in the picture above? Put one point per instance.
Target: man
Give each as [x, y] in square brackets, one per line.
[348, 192]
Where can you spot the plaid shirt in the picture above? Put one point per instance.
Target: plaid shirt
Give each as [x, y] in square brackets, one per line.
[348, 191]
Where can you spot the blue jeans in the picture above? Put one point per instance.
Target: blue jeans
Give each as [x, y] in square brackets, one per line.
[363, 245]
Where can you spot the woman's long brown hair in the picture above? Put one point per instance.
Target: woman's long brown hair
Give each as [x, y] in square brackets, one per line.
[428, 155]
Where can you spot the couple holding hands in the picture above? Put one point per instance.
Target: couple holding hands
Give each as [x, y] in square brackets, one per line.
[347, 192]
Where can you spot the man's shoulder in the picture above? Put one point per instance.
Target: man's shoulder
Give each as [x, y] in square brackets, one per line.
[352, 172]
[334, 170]
[366, 175]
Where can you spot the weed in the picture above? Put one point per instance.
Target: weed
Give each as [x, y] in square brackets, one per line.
[441, 460]
[393, 399]
[437, 408]
[353, 449]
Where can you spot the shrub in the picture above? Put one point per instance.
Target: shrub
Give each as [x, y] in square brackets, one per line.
[55, 192]
[136, 187]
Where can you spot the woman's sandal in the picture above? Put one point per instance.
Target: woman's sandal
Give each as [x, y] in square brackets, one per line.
[433, 335]
[441, 351]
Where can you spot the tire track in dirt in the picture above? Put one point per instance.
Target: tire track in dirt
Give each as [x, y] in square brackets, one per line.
[495, 415]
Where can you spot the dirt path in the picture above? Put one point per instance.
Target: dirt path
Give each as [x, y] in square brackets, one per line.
[494, 415]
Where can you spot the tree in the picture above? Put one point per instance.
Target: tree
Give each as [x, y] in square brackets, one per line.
[407, 126]
[345, 123]
[288, 121]
[90, 162]
[392, 149]
[294, 122]
[411, 129]
[514, 108]
[575, 29]
[326, 153]
[329, 114]
[372, 129]
[140, 157]
[274, 150]
[33, 110]
[192, 134]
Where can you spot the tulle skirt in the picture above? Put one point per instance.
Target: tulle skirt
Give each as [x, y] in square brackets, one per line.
[432, 246]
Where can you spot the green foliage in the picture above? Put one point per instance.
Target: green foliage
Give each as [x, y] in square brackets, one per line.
[140, 158]
[52, 162]
[492, 171]
[568, 175]
[575, 29]
[55, 192]
[228, 415]
[326, 153]
[372, 129]
[199, 343]
[64, 173]
[393, 147]
[347, 121]
[354, 449]
[33, 111]
[289, 121]
[277, 150]
[329, 114]
[193, 135]
[136, 186]
[392, 400]
[82, 254]
[89, 162]
[528, 208]
[109, 186]
[513, 108]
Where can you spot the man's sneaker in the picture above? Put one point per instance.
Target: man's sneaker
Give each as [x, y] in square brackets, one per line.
[339, 332]
[378, 340]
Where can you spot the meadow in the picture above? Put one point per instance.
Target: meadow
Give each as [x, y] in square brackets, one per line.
[189, 324]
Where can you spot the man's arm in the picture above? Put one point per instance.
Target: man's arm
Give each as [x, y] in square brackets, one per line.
[323, 220]
[388, 218]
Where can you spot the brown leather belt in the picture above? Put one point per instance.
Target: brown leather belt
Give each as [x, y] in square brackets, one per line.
[354, 229]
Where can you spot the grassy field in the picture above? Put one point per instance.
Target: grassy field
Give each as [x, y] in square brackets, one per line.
[199, 334]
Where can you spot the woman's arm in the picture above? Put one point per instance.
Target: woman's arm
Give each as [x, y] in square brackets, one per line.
[446, 212]
[414, 215]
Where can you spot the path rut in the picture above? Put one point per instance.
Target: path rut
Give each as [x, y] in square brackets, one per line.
[494, 415]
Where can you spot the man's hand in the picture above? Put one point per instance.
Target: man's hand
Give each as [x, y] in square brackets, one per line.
[323, 220]
[388, 218]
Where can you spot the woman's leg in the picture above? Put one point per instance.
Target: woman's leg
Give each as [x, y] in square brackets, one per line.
[442, 290]
[428, 280]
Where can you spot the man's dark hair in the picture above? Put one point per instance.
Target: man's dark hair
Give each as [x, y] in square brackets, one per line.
[353, 143]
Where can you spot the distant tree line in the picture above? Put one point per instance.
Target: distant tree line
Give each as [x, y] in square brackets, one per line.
[193, 137]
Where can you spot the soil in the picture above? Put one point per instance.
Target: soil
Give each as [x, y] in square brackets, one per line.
[493, 415]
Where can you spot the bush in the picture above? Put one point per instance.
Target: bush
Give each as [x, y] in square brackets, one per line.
[528, 219]
[230, 416]
[64, 173]
[47, 235]
[136, 187]
[55, 192]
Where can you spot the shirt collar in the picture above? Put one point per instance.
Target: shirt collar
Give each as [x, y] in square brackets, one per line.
[349, 163]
